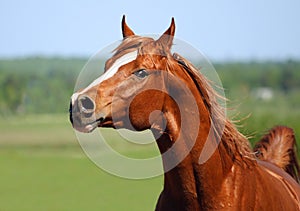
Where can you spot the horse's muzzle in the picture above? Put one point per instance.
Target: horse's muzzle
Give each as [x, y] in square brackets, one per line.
[81, 114]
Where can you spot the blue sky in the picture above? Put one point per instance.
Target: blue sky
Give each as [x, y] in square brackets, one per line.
[223, 30]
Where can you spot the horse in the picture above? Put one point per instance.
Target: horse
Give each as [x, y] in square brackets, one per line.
[145, 86]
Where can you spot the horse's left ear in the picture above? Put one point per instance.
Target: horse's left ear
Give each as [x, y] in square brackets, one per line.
[167, 38]
[126, 31]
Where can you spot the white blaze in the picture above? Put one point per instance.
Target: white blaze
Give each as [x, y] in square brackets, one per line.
[125, 59]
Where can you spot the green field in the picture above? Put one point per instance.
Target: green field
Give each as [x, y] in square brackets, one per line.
[44, 168]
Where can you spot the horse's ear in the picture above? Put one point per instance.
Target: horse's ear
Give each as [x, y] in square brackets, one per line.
[167, 38]
[126, 31]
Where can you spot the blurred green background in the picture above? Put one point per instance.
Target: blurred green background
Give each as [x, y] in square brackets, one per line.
[43, 166]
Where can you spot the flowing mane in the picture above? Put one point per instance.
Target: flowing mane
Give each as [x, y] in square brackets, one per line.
[234, 141]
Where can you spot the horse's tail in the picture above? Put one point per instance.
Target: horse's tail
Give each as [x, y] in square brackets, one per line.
[279, 147]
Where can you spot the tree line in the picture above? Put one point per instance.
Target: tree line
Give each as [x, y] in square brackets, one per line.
[44, 85]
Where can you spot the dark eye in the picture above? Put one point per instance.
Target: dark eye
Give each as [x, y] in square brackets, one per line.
[142, 73]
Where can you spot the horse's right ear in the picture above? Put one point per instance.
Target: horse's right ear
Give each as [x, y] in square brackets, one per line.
[126, 31]
[167, 38]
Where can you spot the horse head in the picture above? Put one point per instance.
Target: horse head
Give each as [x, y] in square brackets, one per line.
[133, 86]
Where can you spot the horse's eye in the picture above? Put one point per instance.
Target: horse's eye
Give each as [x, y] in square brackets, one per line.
[142, 73]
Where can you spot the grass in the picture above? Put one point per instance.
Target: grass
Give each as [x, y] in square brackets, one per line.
[35, 182]
[44, 168]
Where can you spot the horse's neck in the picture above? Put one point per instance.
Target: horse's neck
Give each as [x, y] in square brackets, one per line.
[192, 184]
[180, 188]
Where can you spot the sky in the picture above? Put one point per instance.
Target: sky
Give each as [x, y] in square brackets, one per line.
[222, 30]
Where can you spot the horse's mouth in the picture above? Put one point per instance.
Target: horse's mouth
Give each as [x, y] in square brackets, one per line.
[105, 122]
[91, 126]
[86, 128]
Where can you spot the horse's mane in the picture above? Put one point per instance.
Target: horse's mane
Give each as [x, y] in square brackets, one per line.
[232, 139]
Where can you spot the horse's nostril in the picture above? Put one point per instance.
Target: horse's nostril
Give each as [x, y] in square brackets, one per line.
[87, 103]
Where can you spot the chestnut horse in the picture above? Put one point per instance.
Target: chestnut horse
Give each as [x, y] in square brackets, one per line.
[138, 80]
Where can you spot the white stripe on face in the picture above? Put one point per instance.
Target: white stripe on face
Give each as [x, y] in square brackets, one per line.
[125, 59]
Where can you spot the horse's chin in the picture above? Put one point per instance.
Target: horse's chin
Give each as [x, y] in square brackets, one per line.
[85, 129]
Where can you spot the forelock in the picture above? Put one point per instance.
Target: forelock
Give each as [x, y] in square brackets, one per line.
[129, 44]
